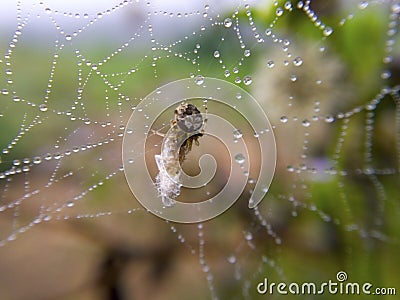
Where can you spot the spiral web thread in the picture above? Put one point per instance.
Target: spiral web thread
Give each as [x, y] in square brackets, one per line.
[61, 148]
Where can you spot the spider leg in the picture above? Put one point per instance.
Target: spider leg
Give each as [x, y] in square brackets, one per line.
[156, 132]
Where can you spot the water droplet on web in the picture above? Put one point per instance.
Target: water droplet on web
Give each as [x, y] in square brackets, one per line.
[247, 80]
[8, 72]
[388, 59]
[239, 158]
[70, 204]
[270, 64]
[227, 22]
[288, 5]
[227, 73]
[43, 107]
[237, 134]
[47, 10]
[363, 4]
[238, 96]
[37, 160]
[396, 8]
[329, 119]
[68, 37]
[293, 78]
[300, 4]
[248, 235]
[268, 32]
[298, 61]
[4, 92]
[232, 259]
[306, 123]
[16, 99]
[216, 54]
[279, 11]
[284, 119]
[327, 31]
[386, 74]
[199, 80]
[247, 53]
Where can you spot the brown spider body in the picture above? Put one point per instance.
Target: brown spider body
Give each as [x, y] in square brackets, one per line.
[187, 120]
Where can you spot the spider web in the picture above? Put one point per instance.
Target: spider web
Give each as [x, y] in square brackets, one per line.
[326, 74]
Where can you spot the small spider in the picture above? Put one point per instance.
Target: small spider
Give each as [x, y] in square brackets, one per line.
[187, 120]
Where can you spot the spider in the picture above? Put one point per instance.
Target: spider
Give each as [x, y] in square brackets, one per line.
[187, 120]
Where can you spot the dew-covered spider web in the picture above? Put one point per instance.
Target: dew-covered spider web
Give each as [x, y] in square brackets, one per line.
[326, 73]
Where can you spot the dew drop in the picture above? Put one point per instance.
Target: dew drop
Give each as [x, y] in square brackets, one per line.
[227, 22]
[306, 123]
[4, 92]
[16, 99]
[270, 64]
[329, 119]
[239, 158]
[37, 160]
[268, 32]
[247, 53]
[396, 8]
[327, 31]
[293, 78]
[300, 4]
[227, 73]
[386, 74]
[298, 61]
[43, 107]
[216, 54]
[238, 96]
[247, 235]
[68, 37]
[279, 11]
[284, 119]
[288, 5]
[237, 134]
[247, 80]
[363, 4]
[199, 80]
[231, 259]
